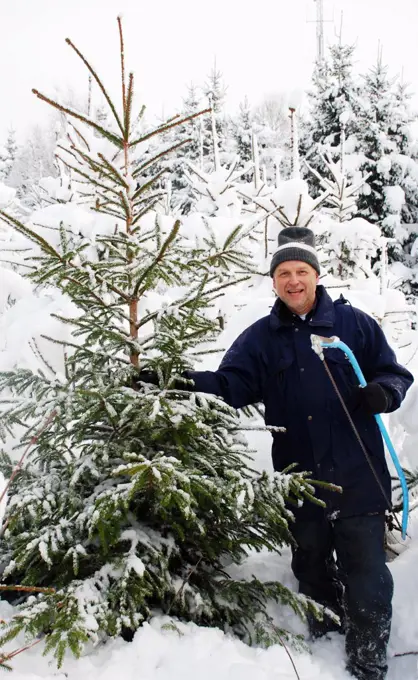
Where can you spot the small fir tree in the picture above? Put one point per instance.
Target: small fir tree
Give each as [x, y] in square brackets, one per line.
[136, 495]
[347, 245]
[8, 155]
[242, 127]
[214, 91]
[272, 128]
[188, 138]
[34, 160]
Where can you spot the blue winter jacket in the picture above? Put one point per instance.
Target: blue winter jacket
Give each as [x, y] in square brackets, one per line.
[272, 362]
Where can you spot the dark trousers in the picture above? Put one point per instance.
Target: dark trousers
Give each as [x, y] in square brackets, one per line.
[357, 585]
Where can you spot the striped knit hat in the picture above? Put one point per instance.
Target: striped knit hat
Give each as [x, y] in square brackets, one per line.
[295, 243]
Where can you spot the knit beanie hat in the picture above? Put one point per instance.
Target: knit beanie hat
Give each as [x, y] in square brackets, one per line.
[295, 243]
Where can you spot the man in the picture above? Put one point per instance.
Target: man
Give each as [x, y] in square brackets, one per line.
[273, 362]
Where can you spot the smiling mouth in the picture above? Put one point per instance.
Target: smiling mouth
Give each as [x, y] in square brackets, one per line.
[295, 292]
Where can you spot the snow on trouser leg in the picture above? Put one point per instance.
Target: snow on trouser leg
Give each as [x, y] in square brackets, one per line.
[368, 594]
[366, 651]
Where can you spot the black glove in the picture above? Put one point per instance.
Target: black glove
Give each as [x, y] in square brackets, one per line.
[151, 378]
[146, 376]
[372, 399]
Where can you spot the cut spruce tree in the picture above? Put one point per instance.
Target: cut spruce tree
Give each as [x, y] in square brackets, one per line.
[135, 497]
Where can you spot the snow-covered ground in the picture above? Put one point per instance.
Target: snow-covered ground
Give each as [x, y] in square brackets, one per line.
[160, 653]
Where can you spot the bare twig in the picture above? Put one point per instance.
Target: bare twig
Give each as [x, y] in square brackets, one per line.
[11, 655]
[289, 655]
[29, 589]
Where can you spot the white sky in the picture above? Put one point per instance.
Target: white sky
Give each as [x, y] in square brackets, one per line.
[261, 47]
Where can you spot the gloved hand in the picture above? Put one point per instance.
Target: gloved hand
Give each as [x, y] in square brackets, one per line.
[151, 378]
[147, 376]
[372, 399]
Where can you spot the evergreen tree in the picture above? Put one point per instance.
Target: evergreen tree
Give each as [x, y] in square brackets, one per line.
[8, 155]
[192, 130]
[403, 126]
[405, 133]
[403, 117]
[135, 495]
[34, 160]
[272, 114]
[378, 147]
[188, 140]
[214, 91]
[242, 127]
[272, 127]
[335, 92]
[391, 198]
[375, 121]
[348, 245]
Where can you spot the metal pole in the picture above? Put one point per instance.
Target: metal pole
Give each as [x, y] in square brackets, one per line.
[320, 30]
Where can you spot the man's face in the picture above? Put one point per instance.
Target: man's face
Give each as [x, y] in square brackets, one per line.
[295, 283]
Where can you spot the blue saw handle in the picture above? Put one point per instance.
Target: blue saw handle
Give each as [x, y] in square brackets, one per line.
[337, 344]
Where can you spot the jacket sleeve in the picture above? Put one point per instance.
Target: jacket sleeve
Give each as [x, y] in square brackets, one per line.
[380, 364]
[238, 378]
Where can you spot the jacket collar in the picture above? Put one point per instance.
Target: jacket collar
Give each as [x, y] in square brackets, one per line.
[323, 313]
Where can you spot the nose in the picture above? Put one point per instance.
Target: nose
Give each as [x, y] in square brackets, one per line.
[294, 279]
